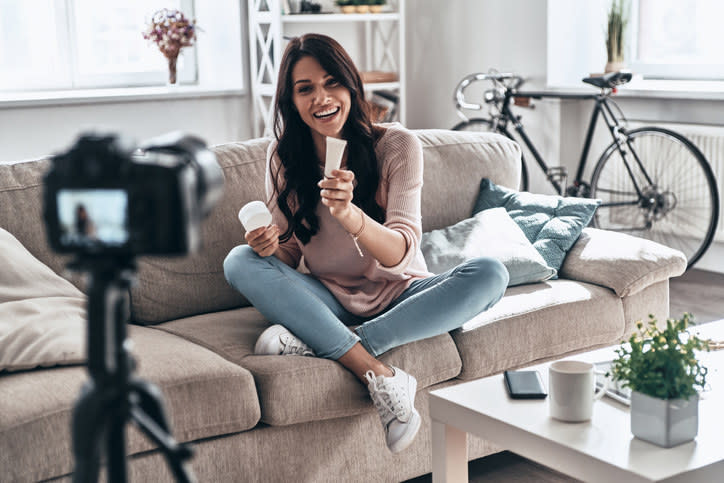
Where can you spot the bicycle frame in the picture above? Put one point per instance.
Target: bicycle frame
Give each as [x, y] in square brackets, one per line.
[601, 108]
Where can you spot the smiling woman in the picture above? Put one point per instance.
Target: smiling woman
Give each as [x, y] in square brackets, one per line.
[358, 229]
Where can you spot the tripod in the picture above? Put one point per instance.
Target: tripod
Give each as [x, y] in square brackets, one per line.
[113, 396]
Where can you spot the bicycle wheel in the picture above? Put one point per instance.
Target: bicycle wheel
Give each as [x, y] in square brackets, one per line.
[678, 204]
[486, 125]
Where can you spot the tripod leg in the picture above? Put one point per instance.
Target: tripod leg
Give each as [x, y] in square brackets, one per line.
[148, 413]
[149, 398]
[116, 445]
[88, 427]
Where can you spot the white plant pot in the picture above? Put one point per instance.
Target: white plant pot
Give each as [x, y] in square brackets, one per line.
[664, 422]
[614, 67]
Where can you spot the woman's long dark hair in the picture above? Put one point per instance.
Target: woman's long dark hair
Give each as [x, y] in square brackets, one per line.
[295, 147]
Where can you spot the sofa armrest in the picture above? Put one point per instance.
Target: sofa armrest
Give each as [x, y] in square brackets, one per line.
[621, 262]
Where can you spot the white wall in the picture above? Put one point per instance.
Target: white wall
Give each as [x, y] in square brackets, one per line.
[29, 133]
[446, 43]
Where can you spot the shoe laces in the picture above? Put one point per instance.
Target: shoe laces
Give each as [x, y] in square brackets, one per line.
[389, 398]
[293, 346]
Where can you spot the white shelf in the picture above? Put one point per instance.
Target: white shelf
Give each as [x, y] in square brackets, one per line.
[382, 39]
[340, 17]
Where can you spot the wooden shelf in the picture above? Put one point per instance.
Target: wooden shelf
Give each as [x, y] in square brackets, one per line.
[378, 86]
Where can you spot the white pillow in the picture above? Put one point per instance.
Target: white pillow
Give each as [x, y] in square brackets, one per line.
[42, 315]
[490, 233]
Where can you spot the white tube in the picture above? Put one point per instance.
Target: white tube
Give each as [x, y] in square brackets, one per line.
[254, 215]
[335, 150]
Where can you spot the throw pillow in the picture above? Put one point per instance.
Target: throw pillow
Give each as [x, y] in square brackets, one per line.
[551, 223]
[42, 315]
[489, 233]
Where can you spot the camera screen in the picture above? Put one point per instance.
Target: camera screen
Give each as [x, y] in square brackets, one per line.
[93, 217]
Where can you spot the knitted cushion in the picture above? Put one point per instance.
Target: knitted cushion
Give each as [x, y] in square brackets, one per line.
[551, 223]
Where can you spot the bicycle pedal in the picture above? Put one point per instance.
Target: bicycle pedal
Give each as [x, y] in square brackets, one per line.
[559, 176]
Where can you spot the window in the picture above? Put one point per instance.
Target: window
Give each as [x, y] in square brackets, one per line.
[69, 44]
[678, 39]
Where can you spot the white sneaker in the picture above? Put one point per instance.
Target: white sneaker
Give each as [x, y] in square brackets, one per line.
[394, 398]
[278, 341]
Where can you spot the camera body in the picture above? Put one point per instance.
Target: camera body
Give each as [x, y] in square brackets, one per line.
[107, 197]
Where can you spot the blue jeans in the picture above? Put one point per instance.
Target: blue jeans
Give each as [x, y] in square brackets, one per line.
[301, 303]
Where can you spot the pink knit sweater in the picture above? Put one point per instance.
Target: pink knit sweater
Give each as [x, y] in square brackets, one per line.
[361, 284]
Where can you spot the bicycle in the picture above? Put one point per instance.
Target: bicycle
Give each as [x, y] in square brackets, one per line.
[653, 182]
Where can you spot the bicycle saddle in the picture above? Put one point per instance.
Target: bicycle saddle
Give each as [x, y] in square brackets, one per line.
[610, 80]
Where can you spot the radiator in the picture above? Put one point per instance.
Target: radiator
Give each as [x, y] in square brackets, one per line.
[710, 141]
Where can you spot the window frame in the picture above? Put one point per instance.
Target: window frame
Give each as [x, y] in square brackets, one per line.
[67, 75]
[665, 71]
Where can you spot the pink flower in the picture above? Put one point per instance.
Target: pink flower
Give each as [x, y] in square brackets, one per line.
[170, 31]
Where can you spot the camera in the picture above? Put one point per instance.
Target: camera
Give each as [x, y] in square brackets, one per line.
[106, 201]
[107, 197]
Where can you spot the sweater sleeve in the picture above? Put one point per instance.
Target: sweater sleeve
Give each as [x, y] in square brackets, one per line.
[401, 174]
[274, 169]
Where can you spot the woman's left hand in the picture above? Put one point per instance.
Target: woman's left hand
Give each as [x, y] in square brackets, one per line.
[337, 192]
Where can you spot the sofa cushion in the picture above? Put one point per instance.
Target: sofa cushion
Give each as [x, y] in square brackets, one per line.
[454, 162]
[42, 315]
[536, 322]
[169, 288]
[21, 210]
[624, 263]
[551, 223]
[294, 389]
[204, 395]
[491, 233]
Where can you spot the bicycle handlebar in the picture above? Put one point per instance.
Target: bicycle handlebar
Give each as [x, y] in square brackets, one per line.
[497, 78]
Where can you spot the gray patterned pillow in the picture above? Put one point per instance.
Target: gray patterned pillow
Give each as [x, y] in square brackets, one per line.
[491, 233]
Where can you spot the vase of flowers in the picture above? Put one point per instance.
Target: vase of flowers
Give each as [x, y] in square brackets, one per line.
[615, 35]
[661, 368]
[171, 31]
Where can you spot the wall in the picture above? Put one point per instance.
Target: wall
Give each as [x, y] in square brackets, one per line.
[28, 133]
[466, 36]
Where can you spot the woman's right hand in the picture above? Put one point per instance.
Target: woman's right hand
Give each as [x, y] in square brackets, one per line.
[264, 241]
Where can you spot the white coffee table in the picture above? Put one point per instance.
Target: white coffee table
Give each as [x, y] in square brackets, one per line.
[602, 449]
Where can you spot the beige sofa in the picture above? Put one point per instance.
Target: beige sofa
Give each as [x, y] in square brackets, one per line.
[271, 418]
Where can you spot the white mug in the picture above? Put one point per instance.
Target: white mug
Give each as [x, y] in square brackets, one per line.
[254, 215]
[571, 387]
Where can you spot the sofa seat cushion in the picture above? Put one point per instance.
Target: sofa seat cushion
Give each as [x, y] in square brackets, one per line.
[295, 389]
[538, 321]
[204, 396]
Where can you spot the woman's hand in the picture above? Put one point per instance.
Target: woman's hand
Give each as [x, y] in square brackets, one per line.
[264, 241]
[337, 193]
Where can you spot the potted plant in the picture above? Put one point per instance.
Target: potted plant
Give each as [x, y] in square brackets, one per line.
[615, 35]
[661, 368]
[376, 5]
[346, 6]
[362, 6]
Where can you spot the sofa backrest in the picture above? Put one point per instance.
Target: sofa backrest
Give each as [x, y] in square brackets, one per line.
[169, 288]
[455, 162]
[21, 210]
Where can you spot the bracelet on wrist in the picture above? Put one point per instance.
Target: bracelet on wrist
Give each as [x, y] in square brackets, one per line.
[355, 236]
